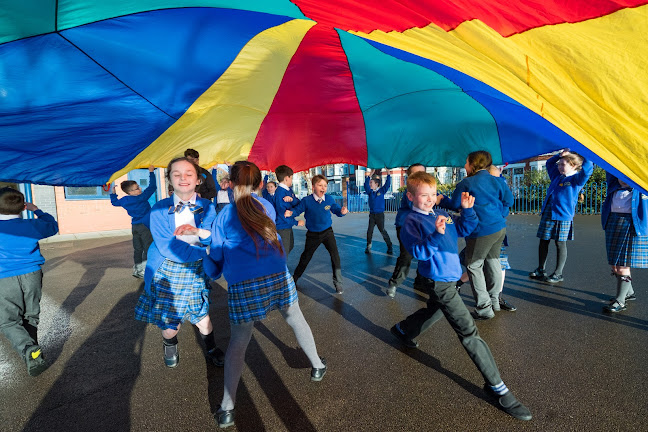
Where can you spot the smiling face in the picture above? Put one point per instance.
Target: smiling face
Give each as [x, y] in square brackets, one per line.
[320, 188]
[183, 178]
[424, 198]
[271, 188]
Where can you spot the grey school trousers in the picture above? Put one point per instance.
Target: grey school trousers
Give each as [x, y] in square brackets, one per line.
[445, 301]
[20, 309]
[287, 239]
[484, 269]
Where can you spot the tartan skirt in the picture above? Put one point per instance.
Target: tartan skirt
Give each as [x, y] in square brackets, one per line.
[624, 247]
[550, 229]
[178, 293]
[251, 300]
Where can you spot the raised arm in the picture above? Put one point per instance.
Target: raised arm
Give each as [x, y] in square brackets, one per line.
[152, 187]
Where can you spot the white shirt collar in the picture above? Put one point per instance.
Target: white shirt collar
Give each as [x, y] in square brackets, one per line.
[9, 217]
[318, 199]
[284, 186]
[176, 199]
[418, 210]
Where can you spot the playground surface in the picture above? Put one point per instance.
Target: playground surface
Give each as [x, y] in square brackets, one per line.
[575, 367]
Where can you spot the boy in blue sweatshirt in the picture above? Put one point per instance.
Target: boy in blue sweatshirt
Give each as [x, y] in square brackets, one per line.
[376, 198]
[138, 208]
[21, 276]
[318, 208]
[431, 237]
[284, 200]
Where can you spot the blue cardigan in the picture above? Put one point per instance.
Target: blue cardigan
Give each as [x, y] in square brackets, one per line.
[318, 216]
[166, 245]
[233, 252]
[19, 250]
[492, 201]
[137, 206]
[563, 191]
[639, 206]
[437, 253]
[377, 198]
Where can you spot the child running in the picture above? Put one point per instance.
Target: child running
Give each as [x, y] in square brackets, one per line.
[138, 208]
[21, 277]
[431, 237]
[175, 287]
[246, 248]
[376, 199]
[285, 199]
[568, 172]
[318, 208]
[625, 221]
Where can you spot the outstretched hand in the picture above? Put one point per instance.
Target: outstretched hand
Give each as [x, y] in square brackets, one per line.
[467, 200]
[344, 210]
[440, 224]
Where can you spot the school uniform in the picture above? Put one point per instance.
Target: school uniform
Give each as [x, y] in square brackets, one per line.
[138, 208]
[285, 224]
[21, 276]
[439, 264]
[559, 206]
[318, 222]
[625, 220]
[404, 260]
[221, 197]
[174, 282]
[258, 278]
[207, 188]
[376, 200]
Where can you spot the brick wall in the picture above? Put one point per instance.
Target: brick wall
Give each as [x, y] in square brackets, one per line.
[45, 199]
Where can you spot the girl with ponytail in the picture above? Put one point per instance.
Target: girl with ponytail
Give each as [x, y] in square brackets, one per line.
[247, 250]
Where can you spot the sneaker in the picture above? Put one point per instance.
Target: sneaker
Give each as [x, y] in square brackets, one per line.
[216, 356]
[171, 355]
[34, 360]
[391, 290]
[538, 273]
[509, 404]
[504, 305]
[224, 418]
[614, 307]
[317, 374]
[398, 333]
[554, 278]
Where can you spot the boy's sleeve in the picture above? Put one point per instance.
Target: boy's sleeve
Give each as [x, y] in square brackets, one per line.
[298, 209]
[336, 209]
[47, 225]
[423, 249]
[446, 202]
[611, 180]
[168, 245]
[151, 188]
[386, 186]
[366, 184]
[466, 222]
[114, 200]
[552, 169]
[215, 177]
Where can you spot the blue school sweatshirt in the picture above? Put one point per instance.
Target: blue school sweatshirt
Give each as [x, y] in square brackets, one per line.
[437, 253]
[318, 215]
[492, 201]
[232, 250]
[281, 206]
[403, 210]
[563, 191]
[639, 206]
[19, 250]
[377, 198]
[137, 206]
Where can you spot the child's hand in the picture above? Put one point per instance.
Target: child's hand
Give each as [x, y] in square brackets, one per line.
[564, 152]
[30, 206]
[151, 168]
[113, 188]
[288, 199]
[186, 229]
[288, 213]
[441, 224]
[467, 200]
[301, 223]
[344, 210]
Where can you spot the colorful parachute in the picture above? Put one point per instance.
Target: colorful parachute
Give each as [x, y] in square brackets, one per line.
[91, 89]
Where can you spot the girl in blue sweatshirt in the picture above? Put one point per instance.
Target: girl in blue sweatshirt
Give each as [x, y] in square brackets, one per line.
[245, 247]
[568, 173]
[175, 288]
[625, 221]
[492, 201]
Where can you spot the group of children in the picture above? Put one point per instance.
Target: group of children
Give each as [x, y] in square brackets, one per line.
[249, 239]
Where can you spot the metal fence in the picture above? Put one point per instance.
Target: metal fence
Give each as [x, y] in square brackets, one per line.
[527, 199]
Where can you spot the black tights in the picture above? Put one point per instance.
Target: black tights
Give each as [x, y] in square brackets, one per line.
[561, 255]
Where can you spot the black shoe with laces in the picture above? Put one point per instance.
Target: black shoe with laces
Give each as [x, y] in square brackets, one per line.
[538, 273]
[409, 343]
[504, 305]
[554, 278]
[509, 404]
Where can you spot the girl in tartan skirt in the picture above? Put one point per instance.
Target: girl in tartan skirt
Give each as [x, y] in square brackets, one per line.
[625, 221]
[245, 247]
[568, 173]
[175, 289]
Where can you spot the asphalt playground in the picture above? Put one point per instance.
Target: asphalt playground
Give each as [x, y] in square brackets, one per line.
[576, 368]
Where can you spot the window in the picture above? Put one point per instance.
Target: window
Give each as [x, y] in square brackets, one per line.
[86, 193]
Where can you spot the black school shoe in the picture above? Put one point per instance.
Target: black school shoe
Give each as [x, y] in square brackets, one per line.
[631, 297]
[506, 306]
[224, 418]
[216, 356]
[509, 404]
[171, 355]
[317, 374]
[398, 334]
[554, 278]
[538, 274]
[34, 360]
